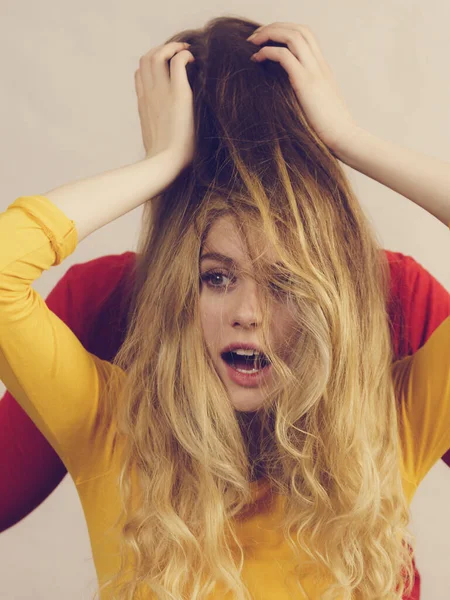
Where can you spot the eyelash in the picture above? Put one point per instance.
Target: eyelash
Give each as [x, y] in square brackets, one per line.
[206, 277]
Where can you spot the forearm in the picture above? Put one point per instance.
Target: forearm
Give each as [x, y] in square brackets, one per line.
[420, 178]
[96, 201]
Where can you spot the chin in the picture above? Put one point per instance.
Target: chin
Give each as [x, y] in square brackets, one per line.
[246, 404]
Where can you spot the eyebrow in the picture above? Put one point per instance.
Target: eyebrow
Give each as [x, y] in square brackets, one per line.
[225, 259]
[220, 257]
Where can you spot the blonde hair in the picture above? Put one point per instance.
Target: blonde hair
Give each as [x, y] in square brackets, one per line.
[329, 430]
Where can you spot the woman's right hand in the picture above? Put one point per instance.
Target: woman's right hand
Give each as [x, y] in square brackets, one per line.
[165, 103]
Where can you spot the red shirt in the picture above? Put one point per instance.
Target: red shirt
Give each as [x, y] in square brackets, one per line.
[92, 298]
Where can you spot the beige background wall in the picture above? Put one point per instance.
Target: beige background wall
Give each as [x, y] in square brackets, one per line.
[68, 110]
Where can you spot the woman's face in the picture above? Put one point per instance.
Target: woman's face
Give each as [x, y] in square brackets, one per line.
[233, 315]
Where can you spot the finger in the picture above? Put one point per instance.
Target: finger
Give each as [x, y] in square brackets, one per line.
[141, 107]
[139, 93]
[304, 30]
[161, 59]
[307, 34]
[178, 74]
[316, 49]
[310, 38]
[294, 40]
[138, 84]
[154, 66]
[295, 70]
[314, 44]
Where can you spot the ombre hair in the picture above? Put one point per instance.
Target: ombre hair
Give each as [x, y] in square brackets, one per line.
[329, 429]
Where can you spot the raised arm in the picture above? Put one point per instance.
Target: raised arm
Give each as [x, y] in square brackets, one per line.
[96, 201]
[42, 363]
[420, 178]
[167, 122]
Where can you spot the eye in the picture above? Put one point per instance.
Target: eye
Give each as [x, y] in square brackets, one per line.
[210, 278]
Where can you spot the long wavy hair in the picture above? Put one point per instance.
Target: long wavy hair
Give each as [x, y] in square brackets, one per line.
[328, 432]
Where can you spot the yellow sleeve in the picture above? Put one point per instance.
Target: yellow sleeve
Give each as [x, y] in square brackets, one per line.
[422, 383]
[42, 363]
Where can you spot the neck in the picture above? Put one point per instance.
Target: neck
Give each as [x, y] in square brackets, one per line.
[251, 432]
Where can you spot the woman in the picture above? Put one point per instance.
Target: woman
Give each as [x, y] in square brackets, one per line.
[92, 298]
[332, 467]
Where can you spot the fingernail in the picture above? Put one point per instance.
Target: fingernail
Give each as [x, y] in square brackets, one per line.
[251, 37]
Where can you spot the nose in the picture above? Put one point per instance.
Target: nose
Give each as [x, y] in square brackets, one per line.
[245, 311]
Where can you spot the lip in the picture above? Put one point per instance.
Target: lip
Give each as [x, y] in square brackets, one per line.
[251, 380]
[242, 345]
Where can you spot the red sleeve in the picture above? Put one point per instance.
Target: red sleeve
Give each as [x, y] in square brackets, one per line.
[86, 297]
[418, 305]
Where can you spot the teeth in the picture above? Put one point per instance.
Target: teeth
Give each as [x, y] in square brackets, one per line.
[243, 352]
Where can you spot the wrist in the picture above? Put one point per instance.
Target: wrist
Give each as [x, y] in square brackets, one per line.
[349, 147]
[173, 165]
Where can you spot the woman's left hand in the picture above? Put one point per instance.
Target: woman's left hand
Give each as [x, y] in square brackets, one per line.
[312, 81]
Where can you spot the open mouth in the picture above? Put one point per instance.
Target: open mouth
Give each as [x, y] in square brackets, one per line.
[246, 363]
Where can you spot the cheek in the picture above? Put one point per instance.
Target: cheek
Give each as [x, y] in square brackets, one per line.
[284, 328]
[211, 317]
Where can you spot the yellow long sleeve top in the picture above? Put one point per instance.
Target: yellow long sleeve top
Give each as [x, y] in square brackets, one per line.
[59, 384]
